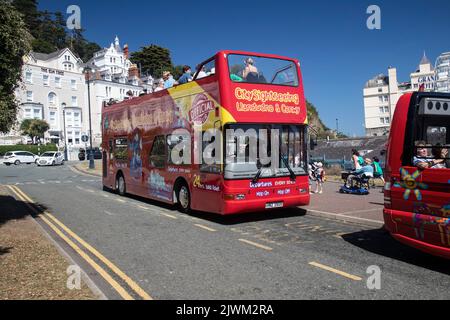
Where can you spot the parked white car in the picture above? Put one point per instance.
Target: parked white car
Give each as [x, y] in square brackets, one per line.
[18, 157]
[51, 158]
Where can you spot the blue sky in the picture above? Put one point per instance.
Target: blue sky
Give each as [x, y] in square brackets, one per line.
[330, 38]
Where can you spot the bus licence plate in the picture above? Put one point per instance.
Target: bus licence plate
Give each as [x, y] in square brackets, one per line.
[272, 205]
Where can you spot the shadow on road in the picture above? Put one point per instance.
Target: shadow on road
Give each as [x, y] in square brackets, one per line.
[380, 242]
[250, 217]
[231, 219]
[4, 250]
[12, 209]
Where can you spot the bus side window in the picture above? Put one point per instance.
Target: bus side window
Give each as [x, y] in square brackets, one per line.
[174, 141]
[158, 152]
[110, 148]
[120, 152]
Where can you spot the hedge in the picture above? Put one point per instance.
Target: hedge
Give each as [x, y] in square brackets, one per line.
[30, 148]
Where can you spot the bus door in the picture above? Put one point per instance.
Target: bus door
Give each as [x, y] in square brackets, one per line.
[207, 186]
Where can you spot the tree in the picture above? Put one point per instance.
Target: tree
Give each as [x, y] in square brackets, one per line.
[177, 71]
[49, 31]
[153, 60]
[80, 46]
[34, 128]
[15, 44]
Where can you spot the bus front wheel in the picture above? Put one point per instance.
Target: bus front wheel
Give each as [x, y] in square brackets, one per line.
[120, 185]
[184, 198]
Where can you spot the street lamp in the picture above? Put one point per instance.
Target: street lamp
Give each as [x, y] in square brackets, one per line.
[63, 106]
[87, 73]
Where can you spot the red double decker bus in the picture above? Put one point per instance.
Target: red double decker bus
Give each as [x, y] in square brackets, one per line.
[245, 97]
[417, 191]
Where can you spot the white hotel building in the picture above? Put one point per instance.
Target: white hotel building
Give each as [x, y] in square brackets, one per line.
[54, 89]
[382, 93]
[113, 77]
[443, 73]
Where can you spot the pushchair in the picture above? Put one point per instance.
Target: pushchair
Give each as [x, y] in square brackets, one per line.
[359, 184]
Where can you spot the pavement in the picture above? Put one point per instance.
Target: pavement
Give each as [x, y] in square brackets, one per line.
[32, 266]
[133, 248]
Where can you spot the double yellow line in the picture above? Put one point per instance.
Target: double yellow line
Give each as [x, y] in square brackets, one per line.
[54, 223]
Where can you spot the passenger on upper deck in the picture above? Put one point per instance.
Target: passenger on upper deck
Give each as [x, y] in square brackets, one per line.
[169, 82]
[186, 77]
[250, 72]
[160, 86]
[202, 73]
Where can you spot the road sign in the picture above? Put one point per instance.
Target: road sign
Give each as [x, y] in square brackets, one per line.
[84, 138]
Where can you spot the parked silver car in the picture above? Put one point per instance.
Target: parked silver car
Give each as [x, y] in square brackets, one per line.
[51, 158]
[18, 157]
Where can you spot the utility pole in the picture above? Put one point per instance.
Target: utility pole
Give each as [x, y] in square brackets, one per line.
[87, 72]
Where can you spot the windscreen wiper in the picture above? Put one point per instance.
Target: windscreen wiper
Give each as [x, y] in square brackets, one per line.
[291, 172]
[258, 174]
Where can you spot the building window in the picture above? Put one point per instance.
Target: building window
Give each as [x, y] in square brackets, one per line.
[28, 77]
[58, 82]
[387, 120]
[386, 109]
[77, 137]
[380, 98]
[380, 90]
[382, 120]
[386, 98]
[381, 110]
[73, 83]
[45, 79]
[69, 119]
[74, 101]
[52, 118]
[29, 96]
[77, 119]
[37, 114]
[27, 114]
[52, 99]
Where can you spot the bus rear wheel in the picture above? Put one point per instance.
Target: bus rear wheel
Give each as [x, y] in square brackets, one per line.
[184, 198]
[121, 187]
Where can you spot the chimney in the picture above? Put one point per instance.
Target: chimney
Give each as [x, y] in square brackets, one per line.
[125, 51]
[133, 71]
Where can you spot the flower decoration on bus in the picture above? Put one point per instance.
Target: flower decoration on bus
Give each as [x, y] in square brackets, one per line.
[410, 183]
[201, 107]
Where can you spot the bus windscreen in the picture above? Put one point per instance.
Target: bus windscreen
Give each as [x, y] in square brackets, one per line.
[262, 70]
